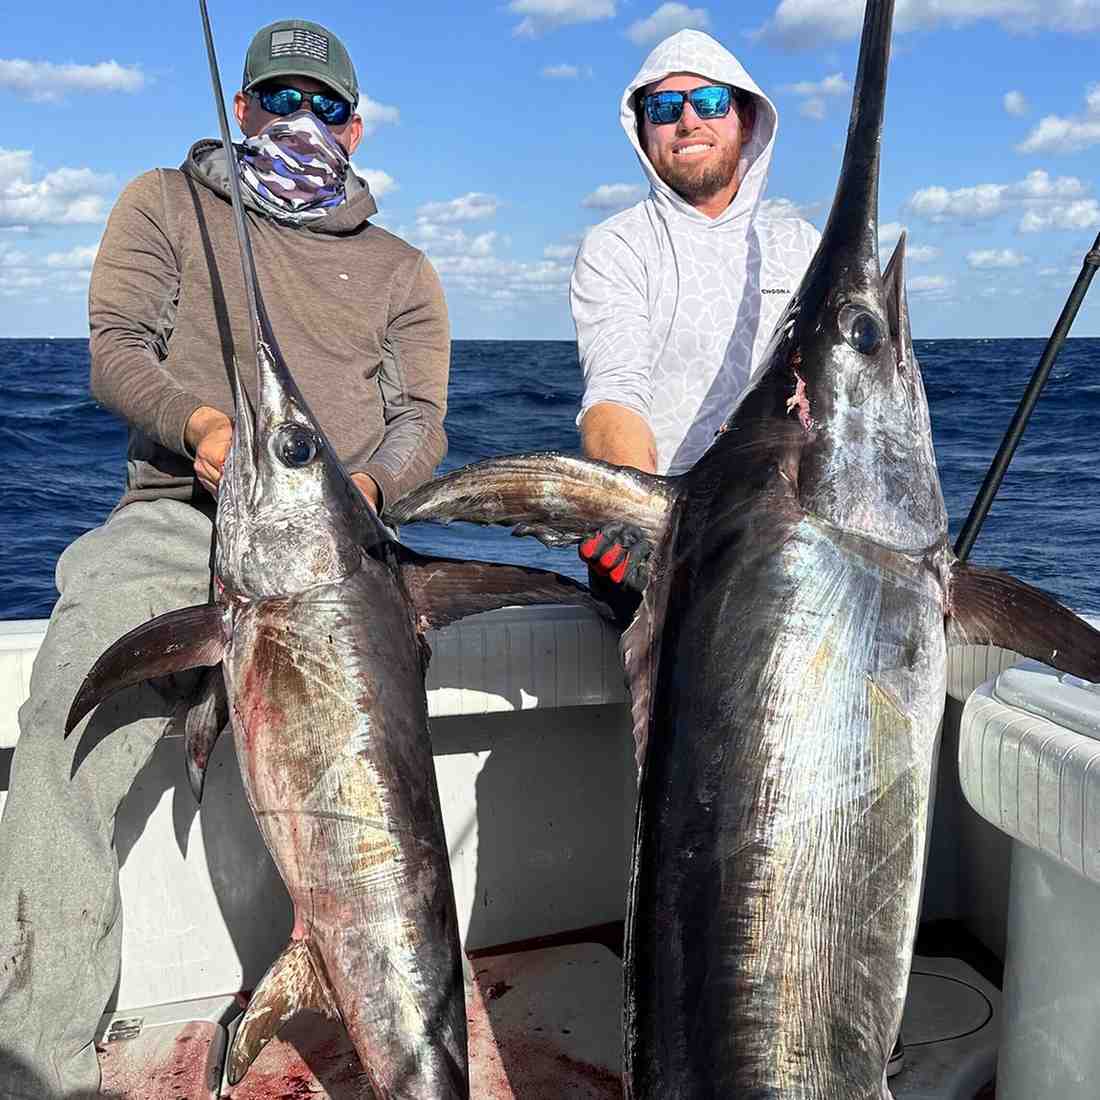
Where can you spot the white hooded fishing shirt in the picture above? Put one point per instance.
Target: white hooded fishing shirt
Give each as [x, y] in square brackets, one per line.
[675, 309]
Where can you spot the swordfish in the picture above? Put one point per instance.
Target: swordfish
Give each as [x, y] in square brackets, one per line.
[317, 636]
[788, 672]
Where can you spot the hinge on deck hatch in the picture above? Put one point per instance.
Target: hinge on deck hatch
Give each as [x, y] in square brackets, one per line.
[128, 1028]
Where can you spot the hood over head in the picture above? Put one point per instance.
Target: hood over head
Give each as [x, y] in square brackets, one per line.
[206, 163]
[695, 52]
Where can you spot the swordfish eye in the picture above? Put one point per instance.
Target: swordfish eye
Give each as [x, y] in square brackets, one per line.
[294, 445]
[861, 329]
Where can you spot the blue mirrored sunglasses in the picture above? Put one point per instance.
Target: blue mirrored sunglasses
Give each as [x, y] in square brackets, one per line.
[285, 101]
[713, 101]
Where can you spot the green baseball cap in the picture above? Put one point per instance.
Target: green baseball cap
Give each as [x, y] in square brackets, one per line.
[297, 47]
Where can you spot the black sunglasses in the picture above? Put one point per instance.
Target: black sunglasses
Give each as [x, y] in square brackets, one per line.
[280, 100]
[712, 101]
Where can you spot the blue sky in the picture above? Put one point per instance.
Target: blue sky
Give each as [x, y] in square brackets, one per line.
[494, 139]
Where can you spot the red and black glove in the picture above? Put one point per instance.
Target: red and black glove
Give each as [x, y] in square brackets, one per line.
[619, 552]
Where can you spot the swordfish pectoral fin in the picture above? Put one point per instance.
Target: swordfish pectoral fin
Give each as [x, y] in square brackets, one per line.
[446, 589]
[192, 637]
[640, 644]
[989, 607]
[560, 499]
[294, 983]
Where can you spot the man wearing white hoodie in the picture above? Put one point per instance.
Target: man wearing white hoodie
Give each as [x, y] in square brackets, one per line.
[675, 299]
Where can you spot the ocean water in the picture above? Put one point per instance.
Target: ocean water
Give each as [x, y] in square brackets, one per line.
[62, 464]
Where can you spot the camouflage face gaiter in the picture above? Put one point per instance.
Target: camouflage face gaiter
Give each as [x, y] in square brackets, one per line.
[294, 167]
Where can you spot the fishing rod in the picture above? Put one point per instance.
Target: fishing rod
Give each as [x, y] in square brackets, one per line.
[256, 314]
[984, 500]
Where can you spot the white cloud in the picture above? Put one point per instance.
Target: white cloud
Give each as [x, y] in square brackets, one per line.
[376, 114]
[467, 208]
[65, 196]
[564, 251]
[80, 258]
[834, 85]
[62, 272]
[546, 15]
[43, 80]
[1082, 214]
[1015, 103]
[1055, 134]
[788, 208]
[471, 262]
[888, 235]
[815, 93]
[449, 240]
[504, 279]
[613, 196]
[798, 24]
[18, 274]
[932, 287]
[380, 183]
[1045, 202]
[983, 259]
[666, 20]
[567, 72]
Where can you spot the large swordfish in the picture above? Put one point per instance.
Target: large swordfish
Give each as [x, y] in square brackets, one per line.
[788, 671]
[318, 628]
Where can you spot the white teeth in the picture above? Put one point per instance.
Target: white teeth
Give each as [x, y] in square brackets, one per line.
[691, 149]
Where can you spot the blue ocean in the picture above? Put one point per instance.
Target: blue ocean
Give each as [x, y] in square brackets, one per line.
[62, 465]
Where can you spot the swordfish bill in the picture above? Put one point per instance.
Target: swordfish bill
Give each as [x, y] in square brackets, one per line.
[788, 674]
[317, 632]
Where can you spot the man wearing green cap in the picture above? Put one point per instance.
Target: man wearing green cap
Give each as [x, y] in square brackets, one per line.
[359, 316]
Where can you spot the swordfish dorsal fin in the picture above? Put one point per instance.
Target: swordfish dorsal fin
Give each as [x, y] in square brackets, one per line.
[560, 499]
[897, 305]
[174, 642]
[987, 607]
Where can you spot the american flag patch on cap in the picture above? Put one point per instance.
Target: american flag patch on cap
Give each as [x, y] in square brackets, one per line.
[299, 43]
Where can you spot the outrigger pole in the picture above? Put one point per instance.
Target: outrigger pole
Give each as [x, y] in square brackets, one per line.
[993, 479]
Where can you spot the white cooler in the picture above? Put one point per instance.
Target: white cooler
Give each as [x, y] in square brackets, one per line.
[1029, 763]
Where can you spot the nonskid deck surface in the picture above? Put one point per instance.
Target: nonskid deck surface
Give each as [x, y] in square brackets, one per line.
[543, 1025]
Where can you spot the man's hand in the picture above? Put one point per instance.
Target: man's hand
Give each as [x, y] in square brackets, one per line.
[619, 552]
[369, 488]
[208, 434]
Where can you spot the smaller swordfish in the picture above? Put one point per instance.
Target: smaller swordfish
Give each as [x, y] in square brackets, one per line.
[318, 627]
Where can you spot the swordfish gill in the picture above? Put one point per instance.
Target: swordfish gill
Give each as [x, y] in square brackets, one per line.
[318, 629]
[787, 670]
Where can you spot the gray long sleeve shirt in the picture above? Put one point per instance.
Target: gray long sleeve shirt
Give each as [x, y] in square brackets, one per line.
[358, 314]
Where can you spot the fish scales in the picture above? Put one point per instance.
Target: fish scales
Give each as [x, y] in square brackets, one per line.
[332, 735]
[786, 800]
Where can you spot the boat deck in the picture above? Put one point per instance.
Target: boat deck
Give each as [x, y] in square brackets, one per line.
[534, 760]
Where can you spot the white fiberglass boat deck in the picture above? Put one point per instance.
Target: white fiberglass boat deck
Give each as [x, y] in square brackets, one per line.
[533, 753]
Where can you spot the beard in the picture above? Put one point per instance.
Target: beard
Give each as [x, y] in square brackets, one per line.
[697, 183]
